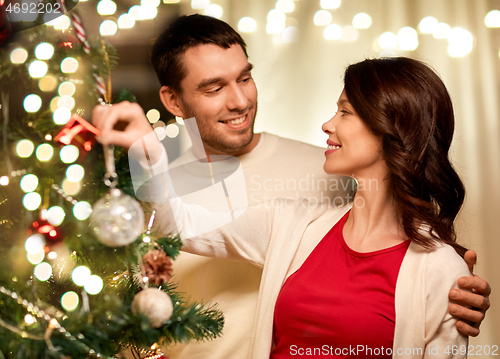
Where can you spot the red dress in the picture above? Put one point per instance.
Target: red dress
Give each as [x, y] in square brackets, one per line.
[339, 303]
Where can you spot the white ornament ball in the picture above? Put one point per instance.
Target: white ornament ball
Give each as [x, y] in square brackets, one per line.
[117, 219]
[154, 304]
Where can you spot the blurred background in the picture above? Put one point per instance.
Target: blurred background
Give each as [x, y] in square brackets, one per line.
[300, 49]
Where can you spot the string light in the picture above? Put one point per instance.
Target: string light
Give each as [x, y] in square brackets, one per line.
[172, 130]
[4, 181]
[80, 275]
[75, 173]
[36, 258]
[43, 271]
[24, 148]
[61, 116]
[63, 22]
[106, 7]
[69, 65]
[44, 51]
[32, 103]
[108, 28]
[44, 152]
[55, 215]
[69, 154]
[18, 56]
[69, 301]
[82, 210]
[47, 83]
[32, 201]
[153, 115]
[94, 285]
[34, 244]
[29, 183]
[71, 188]
[66, 89]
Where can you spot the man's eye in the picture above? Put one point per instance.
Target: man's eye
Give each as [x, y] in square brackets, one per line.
[246, 79]
[211, 92]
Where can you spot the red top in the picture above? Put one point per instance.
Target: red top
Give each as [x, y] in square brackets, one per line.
[339, 303]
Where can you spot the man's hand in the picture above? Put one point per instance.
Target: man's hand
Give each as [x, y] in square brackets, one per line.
[472, 306]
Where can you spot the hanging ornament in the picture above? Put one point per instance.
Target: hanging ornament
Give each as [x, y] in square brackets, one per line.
[79, 133]
[157, 267]
[154, 304]
[117, 218]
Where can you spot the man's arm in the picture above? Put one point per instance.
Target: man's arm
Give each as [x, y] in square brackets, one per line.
[471, 301]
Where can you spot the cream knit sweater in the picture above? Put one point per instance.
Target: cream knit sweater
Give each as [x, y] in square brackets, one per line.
[280, 235]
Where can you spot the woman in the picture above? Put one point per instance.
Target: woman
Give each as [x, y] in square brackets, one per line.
[369, 279]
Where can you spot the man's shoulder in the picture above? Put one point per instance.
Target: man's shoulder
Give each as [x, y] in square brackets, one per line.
[294, 145]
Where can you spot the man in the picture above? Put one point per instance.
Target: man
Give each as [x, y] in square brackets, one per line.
[202, 65]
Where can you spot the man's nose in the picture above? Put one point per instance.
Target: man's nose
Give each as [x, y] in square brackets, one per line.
[237, 99]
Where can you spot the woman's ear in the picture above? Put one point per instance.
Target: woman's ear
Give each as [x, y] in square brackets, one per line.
[171, 101]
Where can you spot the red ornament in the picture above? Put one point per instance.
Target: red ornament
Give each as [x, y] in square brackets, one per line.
[78, 132]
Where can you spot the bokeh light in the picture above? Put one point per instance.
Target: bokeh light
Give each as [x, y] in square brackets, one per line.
[29, 319]
[32, 201]
[330, 4]
[153, 115]
[106, 7]
[44, 152]
[332, 32]
[80, 275]
[126, 21]
[290, 34]
[69, 65]
[82, 210]
[108, 28]
[428, 25]
[32, 103]
[199, 4]
[34, 244]
[407, 38]
[61, 115]
[322, 18]
[4, 181]
[75, 173]
[442, 30]
[18, 56]
[66, 102]
[38, 69]
[94, 285]
[492, 19]
[160, 132]
[69, 154]
[172, 130]
[349, 33]
[37, 257]
[29, 183]
[388, 40]
[55, 215]
[247, 24]
[460, 42]
[71, 188]
[69, 301]
[44, 51]
[362, 21]
[213, 10]
[47, 83]
[62, 23]
[285, 5]
[66, 89]
[43, 271]
[24, 148]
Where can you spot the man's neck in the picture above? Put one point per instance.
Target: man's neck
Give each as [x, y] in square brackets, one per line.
[210, 152]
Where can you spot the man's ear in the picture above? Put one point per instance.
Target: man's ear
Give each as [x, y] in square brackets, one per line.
[171, 100]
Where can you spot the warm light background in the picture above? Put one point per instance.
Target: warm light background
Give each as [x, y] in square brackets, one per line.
[299, 83]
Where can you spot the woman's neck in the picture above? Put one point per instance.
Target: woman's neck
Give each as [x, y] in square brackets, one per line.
[373, 223]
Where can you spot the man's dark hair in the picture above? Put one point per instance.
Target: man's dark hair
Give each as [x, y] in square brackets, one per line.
[184, 33]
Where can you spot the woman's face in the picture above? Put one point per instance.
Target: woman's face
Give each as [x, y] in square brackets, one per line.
[353, 150]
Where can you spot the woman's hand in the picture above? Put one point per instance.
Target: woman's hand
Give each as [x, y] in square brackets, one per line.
[471, 301]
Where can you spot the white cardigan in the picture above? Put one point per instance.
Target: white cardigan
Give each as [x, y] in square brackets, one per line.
[278, 235]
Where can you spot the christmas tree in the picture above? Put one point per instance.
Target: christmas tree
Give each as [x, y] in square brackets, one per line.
[82, 274]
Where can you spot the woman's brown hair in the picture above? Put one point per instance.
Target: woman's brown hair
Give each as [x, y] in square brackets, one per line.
[406, 103]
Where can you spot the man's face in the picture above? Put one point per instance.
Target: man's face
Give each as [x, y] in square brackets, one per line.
[220, 93]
